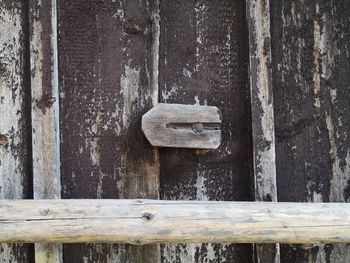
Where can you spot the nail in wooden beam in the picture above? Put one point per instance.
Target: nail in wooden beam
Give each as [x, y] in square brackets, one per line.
[45, 112]
[258, 16]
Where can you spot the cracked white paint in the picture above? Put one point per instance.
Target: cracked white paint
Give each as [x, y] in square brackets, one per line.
[120, 14]
[130, 90]
[45, 121]
[201, 187]
[316, 70]
[265, 168]
[321, 255]
[340, 175]
[324, 51]
[12, 89]
[186, 73]
[187, 252]
[196, 100]
[340, 253]
[168, 94]
[262, 107]
[114, 253]
[11, 100]
[200, 15]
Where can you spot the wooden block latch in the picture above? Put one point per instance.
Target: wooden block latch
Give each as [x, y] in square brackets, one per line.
[183, 126]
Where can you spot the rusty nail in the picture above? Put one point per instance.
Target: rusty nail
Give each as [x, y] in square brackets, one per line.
[197, 127]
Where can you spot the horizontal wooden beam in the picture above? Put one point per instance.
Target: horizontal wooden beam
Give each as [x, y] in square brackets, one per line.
[154, 221]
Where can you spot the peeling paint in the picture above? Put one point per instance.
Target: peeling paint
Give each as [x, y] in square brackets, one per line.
[14, 122]
[109, 77]
[201, 187]
[186, 73]
[11, 105]
[311, 79]
[262, 100]
[168, 94]
[341, 173]
[265, 181]
[129, 83]
[316, 71]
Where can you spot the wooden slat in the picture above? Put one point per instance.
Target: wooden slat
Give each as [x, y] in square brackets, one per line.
[15, 176]
[183, 126]
[45, 112]
[153, 221]
[108, 80]
[258, 17]
[311, 68]
[203, 61]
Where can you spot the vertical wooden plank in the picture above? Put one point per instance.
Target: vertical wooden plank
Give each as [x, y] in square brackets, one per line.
[203, 60]
[108, 79]
[258, 17]
[45, 112]
[15, 151]
[310, 44]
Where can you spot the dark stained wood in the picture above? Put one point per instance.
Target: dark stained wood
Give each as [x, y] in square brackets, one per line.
[203, 60]
[15, 131]
[106, 84]
[310, 45]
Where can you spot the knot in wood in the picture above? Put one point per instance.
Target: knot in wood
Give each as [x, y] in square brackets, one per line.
[198, 127]
[147, 216]
[45, 212]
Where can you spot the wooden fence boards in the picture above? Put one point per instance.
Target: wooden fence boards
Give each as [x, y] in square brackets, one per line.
[263, 126]
[45, 112]
[203, 60]
[15, 131]
[106, 76]
[310, 43]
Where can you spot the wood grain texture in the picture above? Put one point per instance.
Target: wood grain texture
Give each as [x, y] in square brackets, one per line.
[154, 221]
[107, 82]
[45, 112]
[15, 140]
[183, 126]
[263, 129]
[203, 61]
[310, 44]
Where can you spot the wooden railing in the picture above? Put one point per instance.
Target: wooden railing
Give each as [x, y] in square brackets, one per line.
[154, 221]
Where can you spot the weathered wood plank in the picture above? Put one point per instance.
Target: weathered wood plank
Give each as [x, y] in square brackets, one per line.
[203, 60]
[45, 112]
[258, 17]
[155, 221]
[310, 44]
[183, 126]
[15, 153]
[108, 81]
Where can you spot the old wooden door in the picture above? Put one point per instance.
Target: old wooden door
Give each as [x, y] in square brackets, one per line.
[77, 75]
